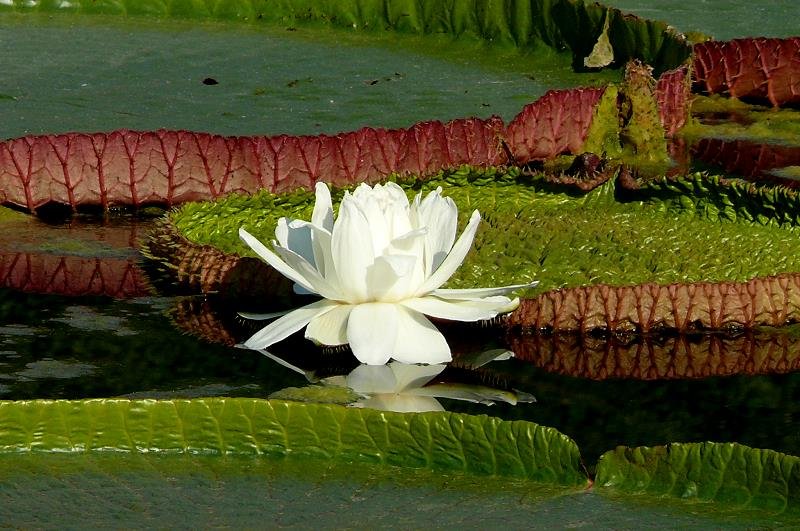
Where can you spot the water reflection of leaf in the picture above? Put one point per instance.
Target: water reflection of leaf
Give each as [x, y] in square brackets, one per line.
[675, 357]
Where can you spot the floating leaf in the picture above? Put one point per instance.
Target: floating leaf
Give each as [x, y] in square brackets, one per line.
[240, 426]
[178, 491]
[557, 24]
[732, 475]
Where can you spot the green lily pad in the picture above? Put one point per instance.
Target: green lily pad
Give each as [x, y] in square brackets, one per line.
[733, 476]
[177, 75]
[241, 426]
[531, 233]
[557, 24]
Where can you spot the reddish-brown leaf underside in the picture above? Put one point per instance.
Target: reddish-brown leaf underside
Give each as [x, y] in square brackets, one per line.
[761, 69]
[644, 308]
[673, 97]
[170, 167]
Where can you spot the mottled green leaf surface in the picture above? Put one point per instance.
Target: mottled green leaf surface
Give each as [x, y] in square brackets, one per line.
[531, 232]
[236, 426]
[732, 476]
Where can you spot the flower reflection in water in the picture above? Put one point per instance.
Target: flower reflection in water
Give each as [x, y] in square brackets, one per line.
[403, 387]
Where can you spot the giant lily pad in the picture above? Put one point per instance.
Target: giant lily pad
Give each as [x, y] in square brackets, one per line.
[594, 244]
[733, 476]
[238, 426]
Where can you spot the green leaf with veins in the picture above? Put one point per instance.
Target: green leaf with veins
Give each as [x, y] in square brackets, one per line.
[245, 426]
[736, 478]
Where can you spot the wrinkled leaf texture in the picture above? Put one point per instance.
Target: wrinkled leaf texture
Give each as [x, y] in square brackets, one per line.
[727, 473]
[244, 426]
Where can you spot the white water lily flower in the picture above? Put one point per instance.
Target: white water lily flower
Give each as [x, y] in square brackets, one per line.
[379, 268]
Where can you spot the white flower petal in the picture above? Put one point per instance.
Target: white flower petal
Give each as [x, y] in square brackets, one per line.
[319, 284]
[372, 331]
[407, 241]
[275, 261]
[418, 341]
[410, 244]
[283, 363]
[384, 275]
[453, 259]
[480, 293]
[454, 310]
[397, 219]
[299, 240]
[288, 324]
[323, 208]
[321, 258]
[330, 328]
[282, 232]
[351, 250]
[469, 393]
[300, 290]
[440, 215]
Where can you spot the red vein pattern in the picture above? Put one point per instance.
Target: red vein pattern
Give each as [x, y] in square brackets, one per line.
[673, 92]
[556, 123]
[139, 168]
[765, 301]
[755, 68]
[73, 260]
